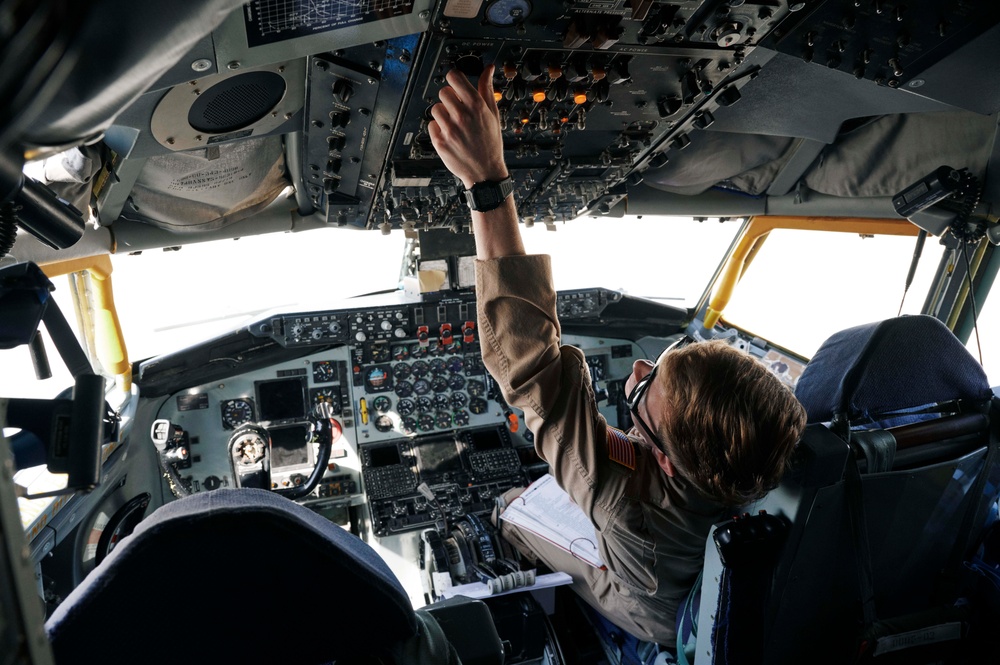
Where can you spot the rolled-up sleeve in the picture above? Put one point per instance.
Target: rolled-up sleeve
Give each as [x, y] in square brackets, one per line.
[519, 333]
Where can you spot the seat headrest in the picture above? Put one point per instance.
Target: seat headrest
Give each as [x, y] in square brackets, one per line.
[888, 366]
[233, 575]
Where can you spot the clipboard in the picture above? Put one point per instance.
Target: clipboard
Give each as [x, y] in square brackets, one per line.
[547, 511]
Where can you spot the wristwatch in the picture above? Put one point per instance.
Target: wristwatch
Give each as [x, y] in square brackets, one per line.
[489, 194]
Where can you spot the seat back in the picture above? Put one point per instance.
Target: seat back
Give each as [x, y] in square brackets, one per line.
[905, 405]
[234, 576]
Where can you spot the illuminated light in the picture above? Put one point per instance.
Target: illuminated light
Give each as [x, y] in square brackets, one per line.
[538, 96]
[580, 98]
[525, 120]
[564, 119]
[497, 96]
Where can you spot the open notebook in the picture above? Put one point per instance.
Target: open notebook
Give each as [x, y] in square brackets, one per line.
[546, 510]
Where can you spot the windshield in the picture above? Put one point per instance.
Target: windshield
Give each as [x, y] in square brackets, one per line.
[803, 286]
[168, 300]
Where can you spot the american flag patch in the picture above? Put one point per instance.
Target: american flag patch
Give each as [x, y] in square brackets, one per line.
[620, 448]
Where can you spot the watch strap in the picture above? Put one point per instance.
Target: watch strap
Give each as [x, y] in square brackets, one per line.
[488, 194]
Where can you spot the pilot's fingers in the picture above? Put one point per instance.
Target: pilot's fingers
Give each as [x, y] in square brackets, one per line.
[460, 82]
[486, 90]
[451, 100]
[440, 113]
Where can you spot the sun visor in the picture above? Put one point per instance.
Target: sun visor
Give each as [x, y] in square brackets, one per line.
[746, 162]
[918, 144]
[207, 189]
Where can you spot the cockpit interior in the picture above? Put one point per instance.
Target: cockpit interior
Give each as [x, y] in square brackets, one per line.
[308, 471]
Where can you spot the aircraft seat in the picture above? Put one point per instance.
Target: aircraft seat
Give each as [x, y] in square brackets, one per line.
[862, 550]
[247, 576]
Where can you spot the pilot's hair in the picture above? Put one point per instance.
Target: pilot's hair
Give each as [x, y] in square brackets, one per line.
[729, 425]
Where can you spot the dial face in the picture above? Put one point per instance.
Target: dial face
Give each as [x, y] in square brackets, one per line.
[417, 351]
[458, 400]
[426, 422]
[438, 366]
[384, 423]
[424, 404]
[324, 371]
[478, 405]
[442, 419]
[401, 371]
[508, 12]
[404, 388]
[406, 407]
[456, 364]
[400, 352]
[461, 418]
[328, 395]
[419, 368]
[380, 352]
[456, 381]
[409, 426]
[477, 388]
[378, 379]
[441, 402]
[421, 386]
[439, 384]
[382, 404]
[235, 412]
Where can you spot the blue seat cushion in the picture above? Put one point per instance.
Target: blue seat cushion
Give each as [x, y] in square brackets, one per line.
[233, 575]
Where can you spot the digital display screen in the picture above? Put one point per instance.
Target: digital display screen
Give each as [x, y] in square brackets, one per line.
[290, 446]
[384, 456]
[486, 439]
[439, 456]
[284, 399]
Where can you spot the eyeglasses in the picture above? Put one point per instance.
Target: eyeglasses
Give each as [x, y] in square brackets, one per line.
[642, 386]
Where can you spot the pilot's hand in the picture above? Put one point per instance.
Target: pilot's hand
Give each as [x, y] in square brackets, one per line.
[465, 130]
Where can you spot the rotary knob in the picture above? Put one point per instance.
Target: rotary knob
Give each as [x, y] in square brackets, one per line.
[296, 330]
[360, 336]
[386, 325]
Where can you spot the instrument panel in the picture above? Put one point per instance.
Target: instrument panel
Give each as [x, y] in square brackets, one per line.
[420, 431]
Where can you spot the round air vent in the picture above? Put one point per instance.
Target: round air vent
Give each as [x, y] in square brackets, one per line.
[236, 102]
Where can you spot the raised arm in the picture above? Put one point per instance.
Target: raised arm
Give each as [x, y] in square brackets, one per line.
[516, 301]
[465, 132]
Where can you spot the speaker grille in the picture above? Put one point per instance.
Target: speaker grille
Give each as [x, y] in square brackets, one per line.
[236, 102]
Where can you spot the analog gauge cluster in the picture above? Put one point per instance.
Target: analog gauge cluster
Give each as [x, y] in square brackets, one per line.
[423, 389]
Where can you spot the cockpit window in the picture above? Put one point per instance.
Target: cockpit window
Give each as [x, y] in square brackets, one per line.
[803, 286]
[168, 300]
[670, 259]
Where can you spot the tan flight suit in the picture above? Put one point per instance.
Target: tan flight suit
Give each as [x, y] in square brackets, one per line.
[652, 528]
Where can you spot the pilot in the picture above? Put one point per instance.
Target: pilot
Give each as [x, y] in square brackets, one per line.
[715, 428]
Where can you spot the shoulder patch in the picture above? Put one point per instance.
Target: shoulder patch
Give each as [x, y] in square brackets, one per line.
[620, 448]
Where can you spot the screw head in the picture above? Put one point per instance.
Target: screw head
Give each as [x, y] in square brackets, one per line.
[235, 64]
[201, 65]
[916, 83]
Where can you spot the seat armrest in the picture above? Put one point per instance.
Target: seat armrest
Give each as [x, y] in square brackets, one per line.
[468, 625]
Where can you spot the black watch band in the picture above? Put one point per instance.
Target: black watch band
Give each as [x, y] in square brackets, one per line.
[489, 194]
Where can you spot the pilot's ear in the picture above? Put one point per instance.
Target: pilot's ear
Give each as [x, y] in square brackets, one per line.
[664, 462]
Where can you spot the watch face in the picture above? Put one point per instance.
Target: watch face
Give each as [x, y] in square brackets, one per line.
[488, 195]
